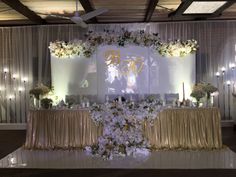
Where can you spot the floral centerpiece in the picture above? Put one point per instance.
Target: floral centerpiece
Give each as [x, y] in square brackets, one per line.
[201, 90]
[209, 89]
[39, 90]
[46, 103]
[198, 92]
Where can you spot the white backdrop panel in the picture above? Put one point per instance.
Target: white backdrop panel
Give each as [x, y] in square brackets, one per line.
[116, 70]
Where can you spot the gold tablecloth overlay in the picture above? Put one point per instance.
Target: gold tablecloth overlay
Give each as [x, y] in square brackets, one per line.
[185, 128]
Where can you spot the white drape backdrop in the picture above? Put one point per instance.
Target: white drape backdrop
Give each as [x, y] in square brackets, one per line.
[140, 70]
[25, 49]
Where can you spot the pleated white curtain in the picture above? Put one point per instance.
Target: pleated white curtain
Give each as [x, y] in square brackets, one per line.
[24, 50]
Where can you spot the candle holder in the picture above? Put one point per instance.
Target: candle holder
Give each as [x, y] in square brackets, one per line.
[10, 93]
[11, 97]
[1, 98]
[218, 87]
[25, 79]
[20, 89]
[223, 74]
[5, 71]
[229, 115]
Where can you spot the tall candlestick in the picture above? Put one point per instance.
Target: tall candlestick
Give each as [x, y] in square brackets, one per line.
[5, 70]
[1, 98]
[10, 99]
[223, 81]
[183, 92]
[20, 90]
[218, 87]
[229, 115]
[25, 79]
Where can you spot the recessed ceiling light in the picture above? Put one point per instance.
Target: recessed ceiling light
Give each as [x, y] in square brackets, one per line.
[204, 7]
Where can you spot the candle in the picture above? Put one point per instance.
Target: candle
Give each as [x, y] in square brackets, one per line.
[119, 99]
[107, 98]
[232, 66]
[83, 105]
[87, 104]
[25, 79]
[131, 99]
[178, 103]
[5, 70]
[164, 103]
[183, 92]
[20, 89]
[223, 70]
[217, 74]
[234, 87]
[174, 103]
[14, 76]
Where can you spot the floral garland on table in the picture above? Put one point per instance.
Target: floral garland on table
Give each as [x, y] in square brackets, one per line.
[177, 48]
[122, 128]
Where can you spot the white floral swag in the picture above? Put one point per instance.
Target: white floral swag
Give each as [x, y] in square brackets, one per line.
[63, 50]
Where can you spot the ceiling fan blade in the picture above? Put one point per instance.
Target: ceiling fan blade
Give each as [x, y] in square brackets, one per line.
[93, 13]
[79, 21]
[83, 24]
[53, 15]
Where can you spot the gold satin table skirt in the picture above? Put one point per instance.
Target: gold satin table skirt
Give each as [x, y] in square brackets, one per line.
[49, 129]
[187, 128]
[173, 129]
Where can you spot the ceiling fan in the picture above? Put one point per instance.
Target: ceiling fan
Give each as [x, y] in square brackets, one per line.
[80, 20]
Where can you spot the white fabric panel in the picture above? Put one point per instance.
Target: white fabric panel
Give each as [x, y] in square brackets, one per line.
[138, 71]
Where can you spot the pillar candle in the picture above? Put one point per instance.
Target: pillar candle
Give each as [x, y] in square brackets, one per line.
[183, 92]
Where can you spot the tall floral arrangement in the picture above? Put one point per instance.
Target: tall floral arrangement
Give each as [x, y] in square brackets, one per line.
[209, 89]
[201, 90]
[198, 92]
[39, 90]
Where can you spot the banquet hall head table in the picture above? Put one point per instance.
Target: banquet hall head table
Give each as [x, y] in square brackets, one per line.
[123, 129]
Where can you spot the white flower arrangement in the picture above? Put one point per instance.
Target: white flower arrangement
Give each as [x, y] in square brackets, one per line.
[122, 127]
[177, 48]
[62, 49]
